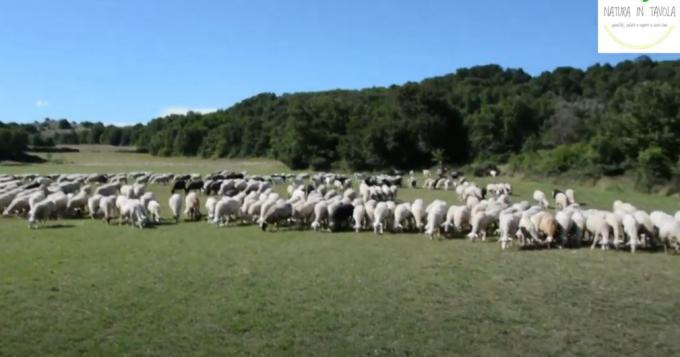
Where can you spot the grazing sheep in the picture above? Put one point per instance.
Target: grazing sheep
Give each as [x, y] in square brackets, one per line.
[379, 217]
[508, 224]
[146, 197]
[270, 201]
[668, 229]
[40, 212]
[547, 226]
[302, 211]
[320, 214]
[108, 189]
[457, 218]
[19, 205]
[138, 189]
[359, 217]
[669, 234]
[107, 204]
[36, 197]
[620, 206]
[566, 225]
[418, 211]
[77, 203]
[175, 203]
[192, 207]
[579, 221]
[402, 216]
[561, 200]
[598, 228]
[224, 209]
[210, 207]
[631, 228]
[133, 213]
[527, 231]
[279, 212]
[435, 217]
[539, 197]
[93, 205]
[60, 200]
[154, 209]
[340, 217]
[614, 220]
[480, 222]
[571, 198]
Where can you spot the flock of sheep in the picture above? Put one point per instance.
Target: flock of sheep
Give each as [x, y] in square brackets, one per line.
[327, 201]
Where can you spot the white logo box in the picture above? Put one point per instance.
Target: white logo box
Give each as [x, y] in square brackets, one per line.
[638, 26]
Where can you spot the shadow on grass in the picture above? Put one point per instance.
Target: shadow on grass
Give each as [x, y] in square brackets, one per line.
[58, 226]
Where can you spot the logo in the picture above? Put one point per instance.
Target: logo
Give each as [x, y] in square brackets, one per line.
[638, 26]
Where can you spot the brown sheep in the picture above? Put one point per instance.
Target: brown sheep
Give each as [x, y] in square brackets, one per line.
[547, 225]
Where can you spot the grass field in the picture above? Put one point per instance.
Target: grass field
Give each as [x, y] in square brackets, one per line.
[83, 287]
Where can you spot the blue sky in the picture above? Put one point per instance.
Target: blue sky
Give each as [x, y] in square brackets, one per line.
[122, 61]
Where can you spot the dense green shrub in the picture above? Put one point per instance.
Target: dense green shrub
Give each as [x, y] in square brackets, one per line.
[653, 168]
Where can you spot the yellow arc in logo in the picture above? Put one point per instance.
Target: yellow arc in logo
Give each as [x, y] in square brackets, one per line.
[638, 47]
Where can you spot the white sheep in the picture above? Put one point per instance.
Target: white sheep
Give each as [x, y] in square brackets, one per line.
[508, 224]
[539, 197]
[566, 225]
[597, 226]
[132, 212]
[561, 200]
[154, 209]
[225, 208]
[435, 217]
[402, 216]
[631, 228]
[210, 203]
[480, 222]
[382, 211]
[107, 204]
[571, 197]
[146, 197]
[320, 214]
[40, 212]
[527, 230]
[668, 228]
[418, 210]
[279, 212]
[108, 189]
[175, 204]
[302, 211]
[192, 206]
[93, 205]
[359, 217]
[78, 202]
[456, 218]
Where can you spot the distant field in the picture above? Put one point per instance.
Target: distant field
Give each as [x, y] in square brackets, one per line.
[103, 158]
[84, 287]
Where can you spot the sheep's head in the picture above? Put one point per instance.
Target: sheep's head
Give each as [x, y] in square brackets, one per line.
[263, 226]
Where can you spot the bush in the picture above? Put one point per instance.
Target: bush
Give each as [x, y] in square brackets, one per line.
[481, 169]
[653, 168]
[577, 160]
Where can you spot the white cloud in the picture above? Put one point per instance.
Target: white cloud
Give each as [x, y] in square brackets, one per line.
[41, 103]
[184, 110]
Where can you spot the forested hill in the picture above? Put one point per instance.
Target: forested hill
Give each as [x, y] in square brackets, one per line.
[604, 119]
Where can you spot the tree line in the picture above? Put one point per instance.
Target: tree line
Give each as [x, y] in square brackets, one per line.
[604, 120]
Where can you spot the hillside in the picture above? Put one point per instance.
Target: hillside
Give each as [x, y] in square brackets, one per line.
[605, 120]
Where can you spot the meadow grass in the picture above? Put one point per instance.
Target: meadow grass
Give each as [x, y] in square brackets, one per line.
[84, 287]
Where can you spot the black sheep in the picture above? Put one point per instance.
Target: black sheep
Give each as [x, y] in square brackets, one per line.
[178, 185]
[341, 217]
[193, 185]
